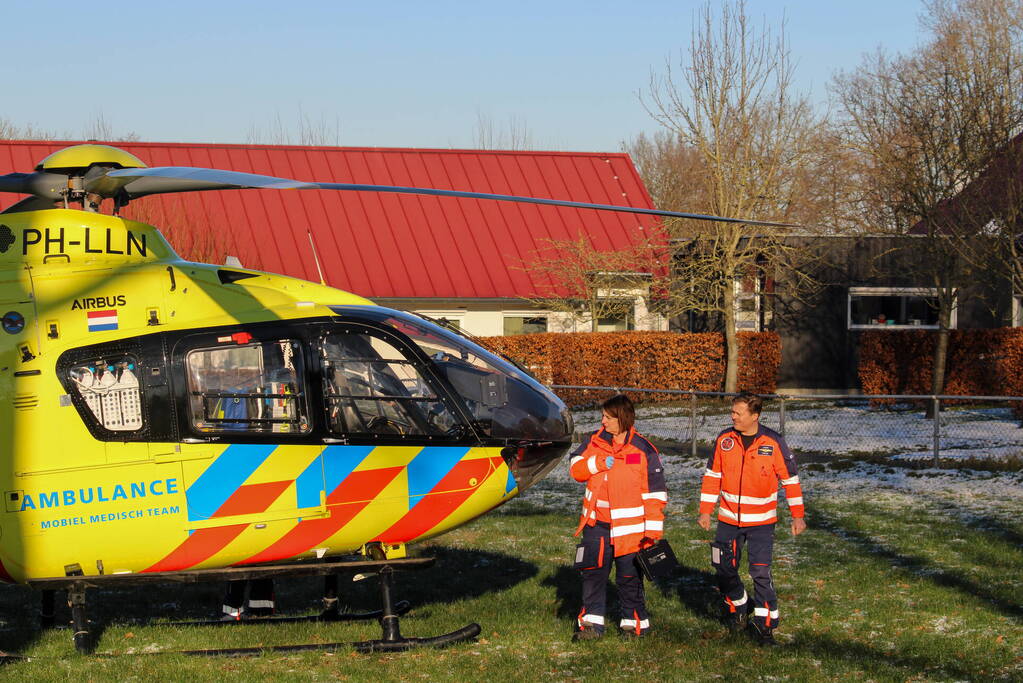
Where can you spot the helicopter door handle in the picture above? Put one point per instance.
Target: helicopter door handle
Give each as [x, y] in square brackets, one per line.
[333, 440]
[189, 439]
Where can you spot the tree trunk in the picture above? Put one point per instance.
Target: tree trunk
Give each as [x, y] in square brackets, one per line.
[940, 354]
[731, 340]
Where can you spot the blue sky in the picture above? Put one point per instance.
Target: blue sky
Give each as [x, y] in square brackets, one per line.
[388, 74]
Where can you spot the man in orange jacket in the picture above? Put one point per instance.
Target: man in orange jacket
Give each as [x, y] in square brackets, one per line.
[623, 511]
[745, 468]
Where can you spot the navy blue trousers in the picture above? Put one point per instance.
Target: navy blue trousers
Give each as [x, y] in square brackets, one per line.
[726, 553]
[627, 579]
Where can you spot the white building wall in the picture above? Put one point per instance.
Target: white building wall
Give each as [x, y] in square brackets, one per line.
[486, 319]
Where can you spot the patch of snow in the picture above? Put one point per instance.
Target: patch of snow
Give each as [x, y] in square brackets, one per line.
[966, 494]
[839, 429]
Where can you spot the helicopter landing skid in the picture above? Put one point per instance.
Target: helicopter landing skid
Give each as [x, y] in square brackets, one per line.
[392, 640]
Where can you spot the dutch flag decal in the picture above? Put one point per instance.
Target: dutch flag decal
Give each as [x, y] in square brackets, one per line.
[100, 321]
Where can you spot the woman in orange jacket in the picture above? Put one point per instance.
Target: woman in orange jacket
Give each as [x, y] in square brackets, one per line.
[623, 511]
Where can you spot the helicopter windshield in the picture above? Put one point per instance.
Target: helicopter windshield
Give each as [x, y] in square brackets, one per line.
[372, 388]
[504, 401]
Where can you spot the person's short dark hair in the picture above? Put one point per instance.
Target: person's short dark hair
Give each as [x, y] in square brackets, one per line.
[621, 408]
[754, 403]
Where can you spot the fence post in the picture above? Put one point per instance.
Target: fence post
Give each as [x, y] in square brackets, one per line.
[781, 417]
[936, 405]
[692, 422]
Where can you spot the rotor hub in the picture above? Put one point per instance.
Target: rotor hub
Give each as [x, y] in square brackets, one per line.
[83, 157]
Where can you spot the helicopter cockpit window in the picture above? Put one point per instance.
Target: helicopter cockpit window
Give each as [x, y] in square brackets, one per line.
[250, 388]
[110, 389]
[504, 401]
[370, 387]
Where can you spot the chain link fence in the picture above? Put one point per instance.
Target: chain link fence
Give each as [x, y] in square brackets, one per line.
[968, 429]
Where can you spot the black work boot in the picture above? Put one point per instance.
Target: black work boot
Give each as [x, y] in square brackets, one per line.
[735, 621]
[762, 635]
[331, 609]
[630, 634]
[588, 633]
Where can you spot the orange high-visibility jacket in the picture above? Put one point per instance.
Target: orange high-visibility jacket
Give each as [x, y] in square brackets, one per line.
[748, 479]
[630, 495]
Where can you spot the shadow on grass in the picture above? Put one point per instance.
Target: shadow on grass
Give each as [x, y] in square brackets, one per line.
[876, 661]
[696, 589]
[568, 588]
[457, 575]
[921, 567]
[693, 588]
[997, 529]
[20, 609]
[461, 574]
[528, 509]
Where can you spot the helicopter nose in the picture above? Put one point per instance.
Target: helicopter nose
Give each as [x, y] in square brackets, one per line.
[529, 463]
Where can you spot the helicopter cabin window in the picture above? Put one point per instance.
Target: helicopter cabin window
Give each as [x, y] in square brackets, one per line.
[110, 389]
[248, 388]
[370, 387]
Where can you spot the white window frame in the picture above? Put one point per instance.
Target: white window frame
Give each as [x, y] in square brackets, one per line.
[747, 321]
[895, 291]
[525, 314]
[455, 316]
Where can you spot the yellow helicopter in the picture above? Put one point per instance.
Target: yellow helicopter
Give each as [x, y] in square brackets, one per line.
[178, 421]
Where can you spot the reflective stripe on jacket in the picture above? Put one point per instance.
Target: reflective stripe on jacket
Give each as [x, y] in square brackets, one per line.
[630, 495]
[747, 479]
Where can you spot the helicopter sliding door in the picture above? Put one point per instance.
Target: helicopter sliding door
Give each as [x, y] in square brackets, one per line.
[251, 461]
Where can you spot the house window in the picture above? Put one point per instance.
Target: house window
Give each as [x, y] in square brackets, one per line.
[894, 308]
[450, 323]
[449, 319]
[747, 304]
[524, 324]
[615, 324]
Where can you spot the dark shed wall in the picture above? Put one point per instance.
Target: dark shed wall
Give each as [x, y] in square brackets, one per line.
[819, 352]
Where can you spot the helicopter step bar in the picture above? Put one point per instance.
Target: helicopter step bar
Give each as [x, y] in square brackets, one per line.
[326, 616]
[391, 641]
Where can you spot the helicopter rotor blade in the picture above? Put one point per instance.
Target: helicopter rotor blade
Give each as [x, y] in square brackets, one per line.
[162, 179]
[41, 184]
[139, 182]
[32, 203]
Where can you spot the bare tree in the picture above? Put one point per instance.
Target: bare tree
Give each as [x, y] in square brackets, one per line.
[487, 135]
[12, 131]
[192, 231]
[305, 131]
[99, 128]
[673, 172]
[731, 102]
[928, 126]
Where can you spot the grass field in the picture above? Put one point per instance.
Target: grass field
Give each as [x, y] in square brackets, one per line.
[904, 574]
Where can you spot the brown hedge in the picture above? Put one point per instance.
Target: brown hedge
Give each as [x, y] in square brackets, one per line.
[652, 360]
[980, 362]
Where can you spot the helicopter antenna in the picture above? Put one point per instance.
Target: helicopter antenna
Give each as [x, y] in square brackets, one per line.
[316, 258]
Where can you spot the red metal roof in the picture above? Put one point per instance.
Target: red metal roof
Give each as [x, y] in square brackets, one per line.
[383, 245]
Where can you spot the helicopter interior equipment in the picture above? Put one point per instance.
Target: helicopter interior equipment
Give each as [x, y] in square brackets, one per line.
[174, 421]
